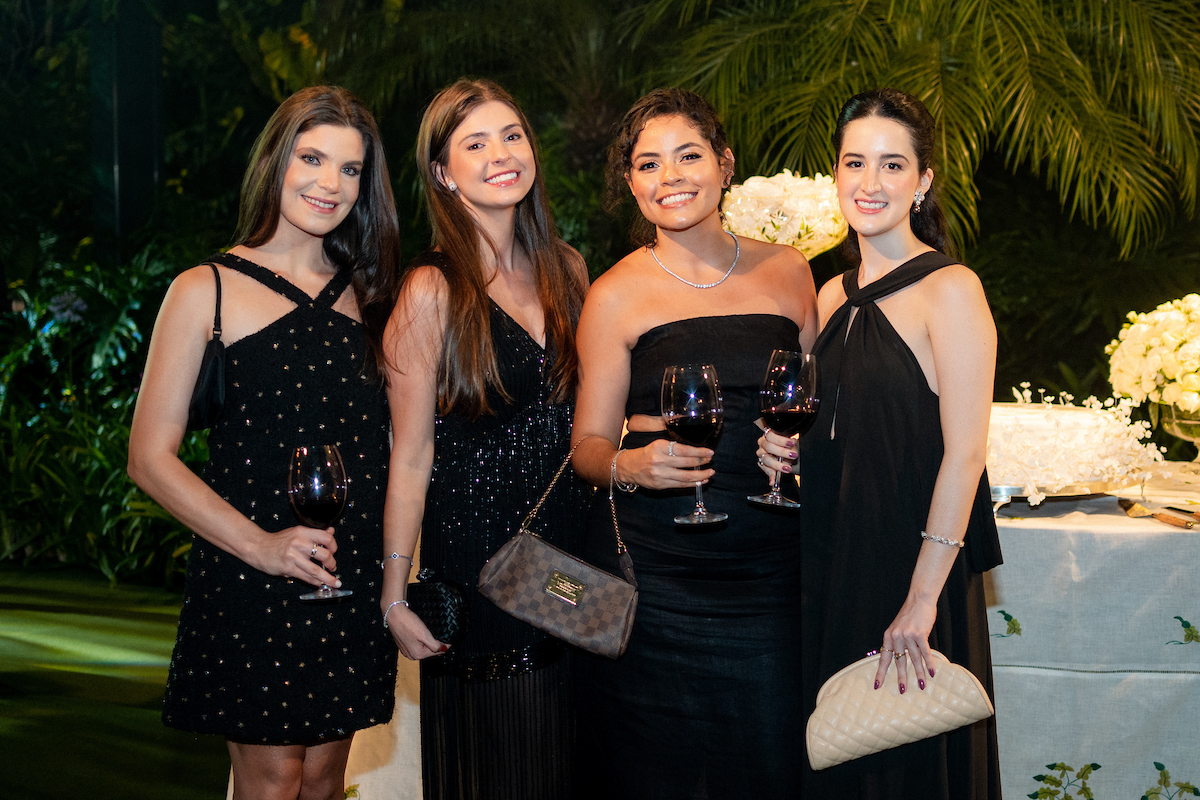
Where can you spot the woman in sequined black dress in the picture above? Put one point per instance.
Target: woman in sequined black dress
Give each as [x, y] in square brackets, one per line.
[304, 297]
[482, 350]
[705, 702]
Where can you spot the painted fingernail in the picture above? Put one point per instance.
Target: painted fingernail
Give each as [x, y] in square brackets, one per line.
[920, 684]
[444, 648]
[931, 672]
[786, 467]
[793, 455]
[902, 688]
[876, 684]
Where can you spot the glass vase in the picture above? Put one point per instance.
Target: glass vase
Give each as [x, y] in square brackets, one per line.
[1181, 424]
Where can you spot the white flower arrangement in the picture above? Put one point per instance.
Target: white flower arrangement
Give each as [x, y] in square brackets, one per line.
[1156, 356]
[787, 209]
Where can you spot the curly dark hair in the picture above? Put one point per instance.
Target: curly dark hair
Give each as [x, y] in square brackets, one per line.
[669, 102]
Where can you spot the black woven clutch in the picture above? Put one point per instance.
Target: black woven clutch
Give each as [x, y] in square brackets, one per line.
[441, 605]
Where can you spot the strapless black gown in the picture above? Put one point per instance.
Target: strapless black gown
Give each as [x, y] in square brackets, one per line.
[866, 496]
[706, 701]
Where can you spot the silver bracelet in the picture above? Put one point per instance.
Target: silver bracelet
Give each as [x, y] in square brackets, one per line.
[389, 609]
[624, 487]
[941, 540]
[395, 556]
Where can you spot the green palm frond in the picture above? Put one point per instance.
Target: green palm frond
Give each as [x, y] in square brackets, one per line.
[1099, 97]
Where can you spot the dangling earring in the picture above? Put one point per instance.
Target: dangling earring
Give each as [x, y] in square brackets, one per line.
[917, 199]
[452, 186]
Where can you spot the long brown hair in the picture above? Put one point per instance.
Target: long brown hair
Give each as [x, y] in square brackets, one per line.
[368, 241]
[468, 362]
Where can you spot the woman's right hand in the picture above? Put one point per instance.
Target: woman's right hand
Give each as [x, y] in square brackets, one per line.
[777, 453]
[664, 464]
[411, 634]
[306, 554]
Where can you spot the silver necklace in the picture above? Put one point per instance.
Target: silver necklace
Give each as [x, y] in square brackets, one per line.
[736, 254]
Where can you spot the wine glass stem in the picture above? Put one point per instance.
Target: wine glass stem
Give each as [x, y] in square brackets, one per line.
[700, 509]
[774, 484]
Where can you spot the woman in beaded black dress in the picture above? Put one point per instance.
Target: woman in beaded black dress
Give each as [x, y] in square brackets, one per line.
[897, 514]
[705, 702]
[482, 354]
[303, 299]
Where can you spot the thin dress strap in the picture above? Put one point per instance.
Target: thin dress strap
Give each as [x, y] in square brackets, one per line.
[325, 298]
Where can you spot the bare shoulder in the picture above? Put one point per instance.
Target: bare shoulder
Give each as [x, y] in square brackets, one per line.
[424, 284]
[952, 284]
[193, 293]
[831, 297]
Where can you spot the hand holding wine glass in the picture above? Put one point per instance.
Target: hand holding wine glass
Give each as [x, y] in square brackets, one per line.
[317, 491]
[788, 400]
[693, 412]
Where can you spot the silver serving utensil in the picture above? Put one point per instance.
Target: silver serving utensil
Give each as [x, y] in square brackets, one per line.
[1138, 510]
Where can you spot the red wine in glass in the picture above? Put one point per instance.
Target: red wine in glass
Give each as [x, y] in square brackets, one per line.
[316, 489]
[693, 413]
[788, 401]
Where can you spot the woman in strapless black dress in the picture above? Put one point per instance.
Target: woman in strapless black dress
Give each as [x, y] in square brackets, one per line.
[706, 698]
[303, 300]
[482, 383]
[896, 509]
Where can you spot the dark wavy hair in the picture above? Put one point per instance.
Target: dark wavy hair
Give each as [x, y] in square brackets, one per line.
[928, 224]
[468, 362]
[669, 102]
[367, 242]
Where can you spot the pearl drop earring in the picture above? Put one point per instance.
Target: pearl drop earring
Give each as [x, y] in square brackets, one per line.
[917, 199]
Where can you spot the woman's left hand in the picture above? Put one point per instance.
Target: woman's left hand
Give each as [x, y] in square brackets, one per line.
[907, 639]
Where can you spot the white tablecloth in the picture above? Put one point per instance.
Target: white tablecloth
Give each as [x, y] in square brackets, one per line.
[1097, 665]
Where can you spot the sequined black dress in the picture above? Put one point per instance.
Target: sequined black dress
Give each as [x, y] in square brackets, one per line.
[705, 703]
[252, 662]
[496, 713]
[870, 464]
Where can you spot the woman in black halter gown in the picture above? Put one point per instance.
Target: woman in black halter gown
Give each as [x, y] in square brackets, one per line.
[893, 470]
[302, 299]
[706, 698]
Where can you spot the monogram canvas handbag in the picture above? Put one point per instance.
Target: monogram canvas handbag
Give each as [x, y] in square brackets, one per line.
[560, 594]
[854, 719]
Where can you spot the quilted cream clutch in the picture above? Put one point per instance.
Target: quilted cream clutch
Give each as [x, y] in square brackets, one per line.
[854, 719]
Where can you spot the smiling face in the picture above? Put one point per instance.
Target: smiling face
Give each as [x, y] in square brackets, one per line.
[877, 177]
[490, 159]
[674, 174]
[321, 183]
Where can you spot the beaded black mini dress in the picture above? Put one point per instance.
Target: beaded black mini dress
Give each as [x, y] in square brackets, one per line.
[253, 662]
[496, 713]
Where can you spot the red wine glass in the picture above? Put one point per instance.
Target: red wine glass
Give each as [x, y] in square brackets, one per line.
[317, 491]
[789, 399]
[693, 412]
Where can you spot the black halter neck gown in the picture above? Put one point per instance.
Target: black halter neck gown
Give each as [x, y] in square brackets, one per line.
[869, 466]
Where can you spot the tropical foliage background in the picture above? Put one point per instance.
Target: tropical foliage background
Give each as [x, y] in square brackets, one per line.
[1069, 160]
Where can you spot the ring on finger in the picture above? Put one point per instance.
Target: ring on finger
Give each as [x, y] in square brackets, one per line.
[671, 449]
[313, 554]
[760, 461]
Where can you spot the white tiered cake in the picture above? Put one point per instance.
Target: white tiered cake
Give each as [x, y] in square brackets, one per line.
[1049, 448]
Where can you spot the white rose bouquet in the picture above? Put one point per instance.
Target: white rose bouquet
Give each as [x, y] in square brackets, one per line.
[1156, 356]
[787, 209]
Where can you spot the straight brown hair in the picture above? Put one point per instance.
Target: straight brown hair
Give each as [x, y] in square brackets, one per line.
[368, 241]
[468, 362]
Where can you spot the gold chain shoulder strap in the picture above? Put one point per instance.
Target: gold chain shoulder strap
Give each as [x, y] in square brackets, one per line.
[622, 553]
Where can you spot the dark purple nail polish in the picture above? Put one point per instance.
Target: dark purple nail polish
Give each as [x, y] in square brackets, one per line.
[931, 672]
[786, 467]
[876, 684]
[793, 455]
[920, 684]
[902, 688]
